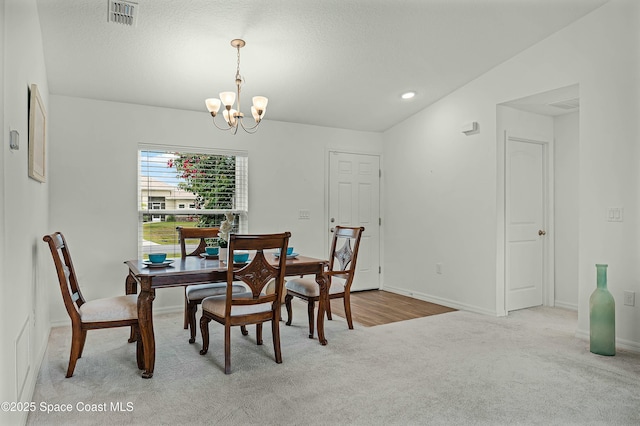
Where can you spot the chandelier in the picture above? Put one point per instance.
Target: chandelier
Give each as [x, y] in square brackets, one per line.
[231, 114]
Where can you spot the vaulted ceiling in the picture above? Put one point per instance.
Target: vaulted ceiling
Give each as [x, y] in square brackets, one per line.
[335, 63]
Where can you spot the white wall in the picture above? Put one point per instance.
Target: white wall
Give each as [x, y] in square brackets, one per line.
[24, 202]
[441, 186]
[5, 367]
[441, 205]
[567, 204]
[93, 169]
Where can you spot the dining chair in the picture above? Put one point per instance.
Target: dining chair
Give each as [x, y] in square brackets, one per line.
[255, 306]
[119, 311]
[340, 275]
[194, 294]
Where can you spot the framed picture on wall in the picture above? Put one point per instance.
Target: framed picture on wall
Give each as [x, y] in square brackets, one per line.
[37, 135]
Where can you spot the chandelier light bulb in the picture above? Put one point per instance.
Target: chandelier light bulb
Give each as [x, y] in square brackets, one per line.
[260, 102]
[228, 98]
[255, 114]
[231, 117]
[213, 105]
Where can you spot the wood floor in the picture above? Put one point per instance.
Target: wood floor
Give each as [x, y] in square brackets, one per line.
[377, 307]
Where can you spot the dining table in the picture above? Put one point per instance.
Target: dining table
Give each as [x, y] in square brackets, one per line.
[196, 270]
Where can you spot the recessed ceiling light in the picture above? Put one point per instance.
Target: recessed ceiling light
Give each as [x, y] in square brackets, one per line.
[408, 95]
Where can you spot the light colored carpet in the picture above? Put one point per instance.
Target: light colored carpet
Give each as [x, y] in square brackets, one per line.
[457, 368]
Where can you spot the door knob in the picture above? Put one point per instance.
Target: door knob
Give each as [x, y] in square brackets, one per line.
[541, 232]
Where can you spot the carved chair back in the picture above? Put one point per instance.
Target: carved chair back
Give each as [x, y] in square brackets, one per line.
[201, 234]
[344, 253]
[259, 271]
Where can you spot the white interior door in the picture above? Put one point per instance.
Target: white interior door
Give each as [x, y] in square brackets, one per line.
[525, 223]
[354, 200]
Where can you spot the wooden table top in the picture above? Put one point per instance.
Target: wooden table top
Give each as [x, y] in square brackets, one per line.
[193, 264]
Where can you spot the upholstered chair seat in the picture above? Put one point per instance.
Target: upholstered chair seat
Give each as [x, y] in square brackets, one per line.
[217, 305]
[110, 309]
[199, 292]
[310, 288]
[271, 288]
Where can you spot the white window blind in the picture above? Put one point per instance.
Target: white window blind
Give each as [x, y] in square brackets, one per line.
[188, 188]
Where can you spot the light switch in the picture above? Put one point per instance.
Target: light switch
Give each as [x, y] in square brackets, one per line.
[14, 139]
[615, 214]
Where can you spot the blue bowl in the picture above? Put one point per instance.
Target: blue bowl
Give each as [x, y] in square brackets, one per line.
[157, 257]
[240, 257]
[212, 251]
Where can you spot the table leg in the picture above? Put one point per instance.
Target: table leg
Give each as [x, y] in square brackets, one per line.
[145, 320]
[131, 287]
[323, 282]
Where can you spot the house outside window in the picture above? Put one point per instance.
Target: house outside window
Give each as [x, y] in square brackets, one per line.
[211, 183]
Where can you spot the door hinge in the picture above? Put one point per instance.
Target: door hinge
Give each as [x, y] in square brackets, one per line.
[379, 269]
[379, 221]
[379, 172]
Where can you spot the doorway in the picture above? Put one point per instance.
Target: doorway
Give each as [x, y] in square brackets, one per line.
[354, 200]
[552, 120]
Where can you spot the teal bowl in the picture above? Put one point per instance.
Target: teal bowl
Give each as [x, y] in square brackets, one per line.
[240, 257]
[157, 257]
[212, 251]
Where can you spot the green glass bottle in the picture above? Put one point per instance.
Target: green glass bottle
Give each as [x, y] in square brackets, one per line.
[602, 316]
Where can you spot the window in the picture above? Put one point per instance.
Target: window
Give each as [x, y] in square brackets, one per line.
[211, 183]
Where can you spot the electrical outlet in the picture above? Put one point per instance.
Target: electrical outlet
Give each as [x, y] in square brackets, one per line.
[304, 214]
[630, 298]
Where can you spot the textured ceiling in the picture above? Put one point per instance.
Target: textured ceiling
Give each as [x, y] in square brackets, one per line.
[335, 63]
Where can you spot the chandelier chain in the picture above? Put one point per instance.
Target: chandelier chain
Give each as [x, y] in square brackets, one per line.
[238, 76]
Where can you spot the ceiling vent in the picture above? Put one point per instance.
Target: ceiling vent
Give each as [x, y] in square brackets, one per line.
[123, 12]
[567, 105]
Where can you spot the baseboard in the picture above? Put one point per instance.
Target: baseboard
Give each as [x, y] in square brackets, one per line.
[440, 301]
[564, 305]
[61, 323]
[168, 309]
